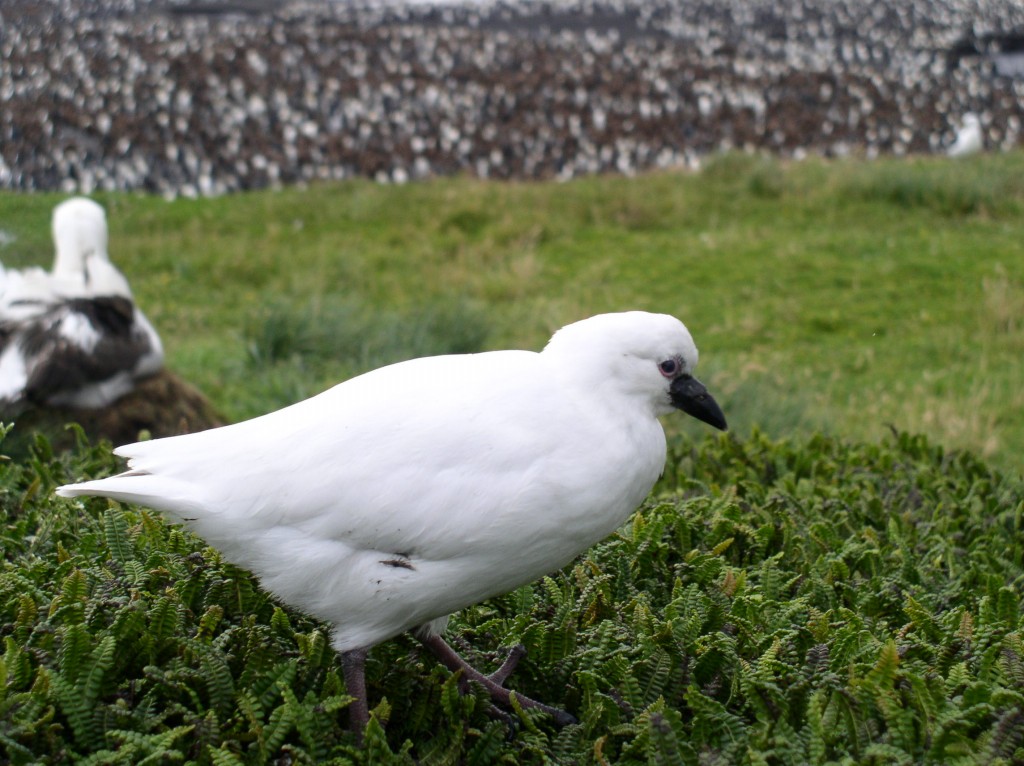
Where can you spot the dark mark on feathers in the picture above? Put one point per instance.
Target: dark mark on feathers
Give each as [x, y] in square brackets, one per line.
[398, 562]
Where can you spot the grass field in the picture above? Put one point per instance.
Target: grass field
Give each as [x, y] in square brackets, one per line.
[823, 585]
[837, 296]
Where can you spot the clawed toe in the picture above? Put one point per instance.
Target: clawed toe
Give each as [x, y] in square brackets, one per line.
[493, 682]
[561, 717]
[515, 654]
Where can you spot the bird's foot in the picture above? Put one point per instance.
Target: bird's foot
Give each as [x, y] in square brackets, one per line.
[515, 654]
[493, 682]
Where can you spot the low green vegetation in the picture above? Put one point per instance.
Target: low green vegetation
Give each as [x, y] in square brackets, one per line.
[819, 586]
[796, 603]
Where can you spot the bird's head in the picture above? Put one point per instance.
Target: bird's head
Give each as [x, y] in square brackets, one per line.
[79, 232]
[649, 357]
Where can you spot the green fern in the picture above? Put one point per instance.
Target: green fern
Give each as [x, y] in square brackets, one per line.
[78, 687]
[115, 534]
[223, 757]
[217, 676]
[165, 618]
[15, 666]
[667, 741]
[279, 724]
[796, 603]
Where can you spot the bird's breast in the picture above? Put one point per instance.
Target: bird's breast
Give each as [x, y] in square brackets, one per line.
[570, 502]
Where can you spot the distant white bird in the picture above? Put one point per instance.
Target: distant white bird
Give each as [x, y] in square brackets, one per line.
[398, 497]
[72, 337]
[968, 139]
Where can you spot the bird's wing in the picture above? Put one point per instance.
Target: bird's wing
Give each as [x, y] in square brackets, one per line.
[27, 294]
[79, 343]
[377, 460]
[12, 378]
[151, 357]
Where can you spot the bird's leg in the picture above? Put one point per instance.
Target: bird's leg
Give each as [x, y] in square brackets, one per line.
[353, 665]
[492, 683]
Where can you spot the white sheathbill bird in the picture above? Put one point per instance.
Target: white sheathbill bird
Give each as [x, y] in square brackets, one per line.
[72, 337]
[396, 498]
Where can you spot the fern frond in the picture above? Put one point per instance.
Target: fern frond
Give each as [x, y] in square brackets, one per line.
[93, 674]
[164, 620]
[74, 645]
[209, 621]
[882, 676]
[666, 740]
[218, 679]
[268, 688]
[115, 534]
[221, 756]
[922, 618]
[279, 725]
[15, 667]
[78, 688]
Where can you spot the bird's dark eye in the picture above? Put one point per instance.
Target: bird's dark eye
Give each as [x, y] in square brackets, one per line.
[669, 367]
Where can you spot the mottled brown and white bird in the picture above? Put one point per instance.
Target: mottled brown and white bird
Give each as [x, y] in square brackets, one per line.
[394, 499]
[73, 337]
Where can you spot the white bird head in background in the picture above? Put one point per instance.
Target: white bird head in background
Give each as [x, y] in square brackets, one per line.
[969, 139]
[79, 233]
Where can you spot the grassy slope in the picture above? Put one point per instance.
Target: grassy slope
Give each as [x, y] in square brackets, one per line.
[841, 296]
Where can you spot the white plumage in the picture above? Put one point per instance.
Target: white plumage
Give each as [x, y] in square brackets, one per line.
[73, 336]
[969, 139]
[398, 497]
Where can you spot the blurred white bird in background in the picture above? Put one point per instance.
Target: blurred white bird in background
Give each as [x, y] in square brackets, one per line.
[394, 499]
[969, 139]
[72, 337]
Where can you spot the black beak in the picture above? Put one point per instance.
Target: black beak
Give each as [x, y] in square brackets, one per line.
[689, 395]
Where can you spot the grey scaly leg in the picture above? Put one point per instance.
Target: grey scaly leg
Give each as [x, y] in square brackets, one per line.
[353, 665]
[451, 660]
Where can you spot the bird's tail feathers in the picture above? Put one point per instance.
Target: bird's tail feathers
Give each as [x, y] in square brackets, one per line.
[169, 495]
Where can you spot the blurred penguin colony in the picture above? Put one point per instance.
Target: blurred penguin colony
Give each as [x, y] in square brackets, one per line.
[203, 97]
